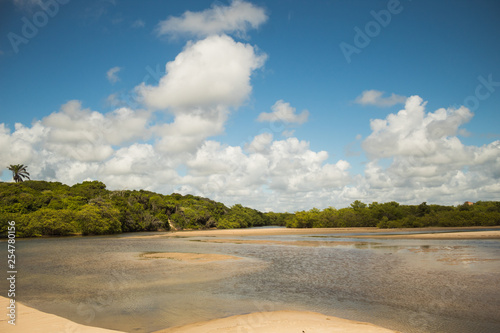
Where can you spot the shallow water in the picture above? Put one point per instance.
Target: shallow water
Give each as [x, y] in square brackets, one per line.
[408, 285]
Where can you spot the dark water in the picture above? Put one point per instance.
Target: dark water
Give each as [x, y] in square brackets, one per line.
[407, 285]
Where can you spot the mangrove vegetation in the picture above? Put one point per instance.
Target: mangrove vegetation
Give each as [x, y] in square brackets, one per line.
[42, 208]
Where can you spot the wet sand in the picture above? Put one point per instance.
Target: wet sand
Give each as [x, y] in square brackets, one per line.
[273, 242]
[372, 232]
[188, 257]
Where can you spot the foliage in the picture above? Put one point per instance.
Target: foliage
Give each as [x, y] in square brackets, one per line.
[242, 217]
[43, 208]
[393, 215]
[98, 218]
[19, 172]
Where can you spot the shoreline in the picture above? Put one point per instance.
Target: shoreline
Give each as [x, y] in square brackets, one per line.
[372, 232]
[368, 232]
[29, 319]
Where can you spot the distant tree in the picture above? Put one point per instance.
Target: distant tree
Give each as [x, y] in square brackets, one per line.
[423, 209]
[357, 205]
[19, 172]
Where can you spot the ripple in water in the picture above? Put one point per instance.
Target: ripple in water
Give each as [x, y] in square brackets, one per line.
[407, 285]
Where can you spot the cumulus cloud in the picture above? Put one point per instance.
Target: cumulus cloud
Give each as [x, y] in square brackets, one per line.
[260, 143]
[414, 156]
[112, 74]
[78, 126]
[68, 145]
[428, 161]
[269, 172]
[214, 71]
[374, 97]
[413, 132]
[238, 17]
[189, 130]
[200, 86]
[285, 113]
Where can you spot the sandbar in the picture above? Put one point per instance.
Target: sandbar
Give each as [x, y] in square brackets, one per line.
[275, 242]
[492, 234]
[188, 257]
[279, 322]
[369, 232]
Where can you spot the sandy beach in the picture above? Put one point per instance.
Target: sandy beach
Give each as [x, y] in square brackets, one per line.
[31, 320]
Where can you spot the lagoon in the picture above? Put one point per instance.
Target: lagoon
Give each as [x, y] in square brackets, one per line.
[118, 282]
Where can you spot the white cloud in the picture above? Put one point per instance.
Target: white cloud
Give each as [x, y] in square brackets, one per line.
[374, 97]
[75, 138]
[428, 162]
[19, 147]
[212, 72]
[238, 17]
[200, 86]
[189, 130]
[410, 161]
[77, 127]
[260, 143]
[112, 74]
[285, 113]
[412, 132]
[270, 173]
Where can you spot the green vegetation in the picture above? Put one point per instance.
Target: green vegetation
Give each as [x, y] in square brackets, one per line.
[393, 215]
[43, 208]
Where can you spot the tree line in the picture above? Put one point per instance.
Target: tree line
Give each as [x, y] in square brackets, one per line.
[393, 215]
[42, 208]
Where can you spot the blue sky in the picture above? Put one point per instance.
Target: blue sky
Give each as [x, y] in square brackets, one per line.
[278, 105]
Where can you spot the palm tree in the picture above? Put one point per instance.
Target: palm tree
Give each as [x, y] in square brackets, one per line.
[19, 172]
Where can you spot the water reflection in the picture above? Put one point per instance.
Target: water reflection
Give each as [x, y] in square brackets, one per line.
[408, 285]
